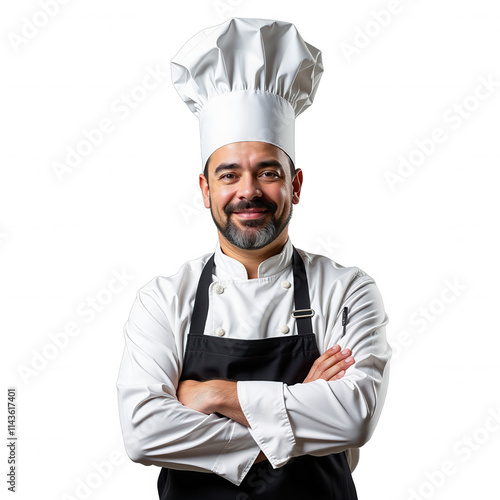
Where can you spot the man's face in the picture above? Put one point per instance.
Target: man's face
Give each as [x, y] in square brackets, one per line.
[250, 192]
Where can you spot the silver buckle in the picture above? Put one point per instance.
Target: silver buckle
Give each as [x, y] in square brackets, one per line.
[303, 313]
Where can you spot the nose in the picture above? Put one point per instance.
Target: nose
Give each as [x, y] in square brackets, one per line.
[249, 187]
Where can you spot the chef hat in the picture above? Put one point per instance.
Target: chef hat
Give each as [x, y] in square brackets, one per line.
[247, 80]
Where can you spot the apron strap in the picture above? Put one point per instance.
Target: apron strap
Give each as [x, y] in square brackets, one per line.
[302, 312]
[200, 309]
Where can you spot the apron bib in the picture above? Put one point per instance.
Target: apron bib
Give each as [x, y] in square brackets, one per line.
[286, 360]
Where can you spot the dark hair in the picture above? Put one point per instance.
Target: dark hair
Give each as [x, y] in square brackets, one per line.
[290, 163]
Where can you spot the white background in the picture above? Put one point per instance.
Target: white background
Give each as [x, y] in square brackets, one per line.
[131, 207]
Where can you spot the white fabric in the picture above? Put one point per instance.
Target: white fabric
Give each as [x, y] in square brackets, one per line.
[316, 418]
[246, 80]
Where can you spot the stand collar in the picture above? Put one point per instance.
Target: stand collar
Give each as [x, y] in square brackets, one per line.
[229, 268]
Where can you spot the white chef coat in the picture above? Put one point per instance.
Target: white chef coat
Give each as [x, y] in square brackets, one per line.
[317, 418]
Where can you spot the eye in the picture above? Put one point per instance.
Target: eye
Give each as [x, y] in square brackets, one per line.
[228, 177]
[270, 174]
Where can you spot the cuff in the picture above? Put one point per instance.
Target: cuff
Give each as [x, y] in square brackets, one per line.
[237, 456]
[263, 404]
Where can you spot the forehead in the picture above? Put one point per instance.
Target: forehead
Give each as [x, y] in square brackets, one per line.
[247, 154]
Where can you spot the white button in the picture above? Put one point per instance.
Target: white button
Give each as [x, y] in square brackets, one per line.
[220, 332]
[284, 329]
[219, 289]
[286, 284]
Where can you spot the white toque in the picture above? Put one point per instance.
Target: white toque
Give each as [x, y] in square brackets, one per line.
[247, 80]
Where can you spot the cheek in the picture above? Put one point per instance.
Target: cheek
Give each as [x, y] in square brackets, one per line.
[221, 197]
[282, 197]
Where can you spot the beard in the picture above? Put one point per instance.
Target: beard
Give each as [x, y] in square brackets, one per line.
[255, 234]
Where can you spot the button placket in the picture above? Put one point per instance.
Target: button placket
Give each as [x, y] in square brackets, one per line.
[219, 290]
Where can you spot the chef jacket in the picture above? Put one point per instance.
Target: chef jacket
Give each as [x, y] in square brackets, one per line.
[316, 418]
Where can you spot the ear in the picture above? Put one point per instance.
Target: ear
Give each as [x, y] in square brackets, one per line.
[205, 192]
[296, 186]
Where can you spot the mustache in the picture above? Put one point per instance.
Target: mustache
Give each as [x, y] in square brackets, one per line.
[247, 205]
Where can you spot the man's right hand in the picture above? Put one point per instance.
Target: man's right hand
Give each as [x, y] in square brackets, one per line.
[331, 365]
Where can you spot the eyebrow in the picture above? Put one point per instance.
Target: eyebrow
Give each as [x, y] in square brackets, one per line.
[236, 166]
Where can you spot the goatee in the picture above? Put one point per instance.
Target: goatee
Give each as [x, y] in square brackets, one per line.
[252, 239]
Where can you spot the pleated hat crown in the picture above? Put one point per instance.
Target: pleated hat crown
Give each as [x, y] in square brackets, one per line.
[247, 80]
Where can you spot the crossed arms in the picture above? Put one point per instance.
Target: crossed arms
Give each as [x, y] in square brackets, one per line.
[174, 425]
[221, 396]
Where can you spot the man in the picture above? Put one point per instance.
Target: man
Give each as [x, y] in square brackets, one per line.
[257, 371]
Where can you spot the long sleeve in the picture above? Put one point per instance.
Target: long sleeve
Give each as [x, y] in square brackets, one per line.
[157, 429]
[319, 418]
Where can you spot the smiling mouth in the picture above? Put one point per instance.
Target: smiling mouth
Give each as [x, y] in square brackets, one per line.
[251, 213]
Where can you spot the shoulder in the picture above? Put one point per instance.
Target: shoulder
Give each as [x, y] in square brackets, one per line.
[321, 267]
[179, 286]
[334, 283]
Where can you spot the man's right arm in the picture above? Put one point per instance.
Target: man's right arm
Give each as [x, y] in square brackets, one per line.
[157, 429]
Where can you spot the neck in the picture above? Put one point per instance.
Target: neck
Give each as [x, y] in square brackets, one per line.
[251, 259]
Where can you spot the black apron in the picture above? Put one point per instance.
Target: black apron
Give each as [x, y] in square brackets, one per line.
[284, 359]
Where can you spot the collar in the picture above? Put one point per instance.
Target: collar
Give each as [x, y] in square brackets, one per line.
[229, 268]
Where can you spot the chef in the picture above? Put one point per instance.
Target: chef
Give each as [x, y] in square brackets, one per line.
[257, 370]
